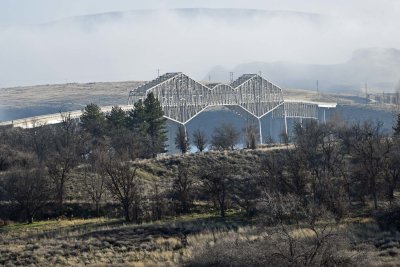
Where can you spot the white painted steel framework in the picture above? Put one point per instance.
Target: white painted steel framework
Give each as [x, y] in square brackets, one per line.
[183, 98]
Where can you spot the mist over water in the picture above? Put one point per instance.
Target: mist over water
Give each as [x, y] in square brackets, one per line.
[133, 45]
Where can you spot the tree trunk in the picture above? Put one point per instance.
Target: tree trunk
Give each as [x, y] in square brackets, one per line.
[97, 208]
[375, 200]
[61, 192]
[126, 212]
[374, 195]
[222, 207]
[30, 217]
[222, 211]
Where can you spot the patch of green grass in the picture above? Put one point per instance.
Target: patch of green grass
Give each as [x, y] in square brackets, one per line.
[54, 224]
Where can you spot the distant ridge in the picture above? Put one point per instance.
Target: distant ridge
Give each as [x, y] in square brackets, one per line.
[378, 67]
[229, 14]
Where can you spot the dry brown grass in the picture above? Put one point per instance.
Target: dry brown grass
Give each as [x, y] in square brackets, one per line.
[103, 93]
[99, 242]
[106, 242]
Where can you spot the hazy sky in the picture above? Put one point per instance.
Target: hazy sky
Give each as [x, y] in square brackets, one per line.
[131, 49]
[36, 11]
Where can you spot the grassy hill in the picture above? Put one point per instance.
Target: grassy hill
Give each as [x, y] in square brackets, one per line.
[197, 239]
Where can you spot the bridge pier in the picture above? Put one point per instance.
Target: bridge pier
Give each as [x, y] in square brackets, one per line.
[286, 128]
[260, 126]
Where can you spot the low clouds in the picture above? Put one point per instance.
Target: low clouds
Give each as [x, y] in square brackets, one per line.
[133, 45]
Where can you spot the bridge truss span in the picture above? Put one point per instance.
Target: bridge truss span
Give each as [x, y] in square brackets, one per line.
[182, 98]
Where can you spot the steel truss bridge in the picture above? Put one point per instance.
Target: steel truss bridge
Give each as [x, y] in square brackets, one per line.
[183, 98]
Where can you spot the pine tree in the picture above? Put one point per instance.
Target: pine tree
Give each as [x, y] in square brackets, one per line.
[93, 120]
[137, 118]
[117, 118]
[396, 128]
[155, 124]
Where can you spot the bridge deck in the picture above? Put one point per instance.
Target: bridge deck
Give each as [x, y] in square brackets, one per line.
[53, 118]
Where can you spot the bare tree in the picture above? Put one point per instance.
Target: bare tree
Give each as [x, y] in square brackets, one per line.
[125, 186]
[297, 172]
[200, 139]
[38, 139]
[392, 168]
[272, 176]
[128, 145]
[315, 240]
[370, 151]
[182, 140]
[94, 178]
[65, 156]
[216, 183]
[251, 135]
[183, 186]
[320, 248]
[156, 195]
[30, 189]
[284, 138]
[225, 137]
[246, 192]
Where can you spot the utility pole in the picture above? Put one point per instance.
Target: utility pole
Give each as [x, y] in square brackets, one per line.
[158, 72]
[231, 76]
[317, 89]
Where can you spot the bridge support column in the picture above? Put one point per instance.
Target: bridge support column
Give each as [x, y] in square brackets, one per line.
[286, 132]
[186, 134]
[260, 126]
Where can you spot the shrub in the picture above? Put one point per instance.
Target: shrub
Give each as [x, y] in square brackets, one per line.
[282, 248]
[4, 222]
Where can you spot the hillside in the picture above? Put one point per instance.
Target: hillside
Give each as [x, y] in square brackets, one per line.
[202, 237]
[379, 67]
[28, 101]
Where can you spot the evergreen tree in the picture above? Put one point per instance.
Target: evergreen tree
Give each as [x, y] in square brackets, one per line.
[146, 120]
[396, 128]
[117, 118]
[155, 124]
[137, 118]
[93, 120]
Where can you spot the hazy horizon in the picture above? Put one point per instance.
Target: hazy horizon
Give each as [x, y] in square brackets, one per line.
[43, 42]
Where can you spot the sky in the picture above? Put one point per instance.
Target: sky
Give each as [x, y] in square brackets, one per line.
[37, 46]
[37, 11]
